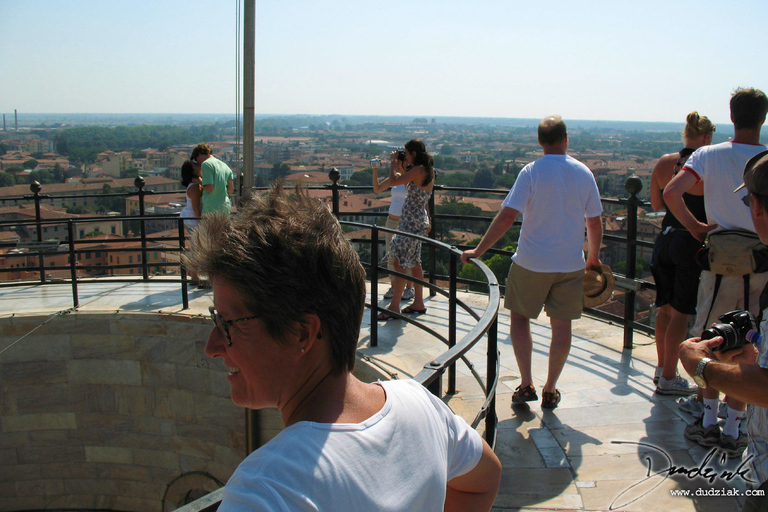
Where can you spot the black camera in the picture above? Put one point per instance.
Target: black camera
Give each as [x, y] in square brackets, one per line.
[734, 328]
[401, 155]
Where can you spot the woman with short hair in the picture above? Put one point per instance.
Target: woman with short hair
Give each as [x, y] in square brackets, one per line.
[289, 294]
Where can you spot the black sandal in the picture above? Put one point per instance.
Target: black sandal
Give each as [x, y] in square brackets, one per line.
[551, 400]
[524, 394]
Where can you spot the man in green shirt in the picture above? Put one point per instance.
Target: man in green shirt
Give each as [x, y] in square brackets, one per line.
[218, 180]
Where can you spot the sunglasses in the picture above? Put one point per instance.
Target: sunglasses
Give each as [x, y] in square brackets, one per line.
[223, 325]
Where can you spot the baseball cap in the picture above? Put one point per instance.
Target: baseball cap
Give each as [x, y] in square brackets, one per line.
[756, 175]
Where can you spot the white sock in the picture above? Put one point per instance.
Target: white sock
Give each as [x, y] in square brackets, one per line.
[710, 412]
[733, 422]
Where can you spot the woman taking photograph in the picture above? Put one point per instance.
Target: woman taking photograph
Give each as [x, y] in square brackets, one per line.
[393, 221]
[419, 180]
[282, 271]
[674, 266]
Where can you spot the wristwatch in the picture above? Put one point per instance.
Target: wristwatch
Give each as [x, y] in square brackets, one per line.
[698, 376]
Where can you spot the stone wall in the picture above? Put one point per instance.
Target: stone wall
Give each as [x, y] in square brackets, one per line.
[113, 411]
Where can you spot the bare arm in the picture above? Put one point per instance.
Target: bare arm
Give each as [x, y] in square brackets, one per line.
[503, 221]
[230, 187]
[379, 186]
[673, 195]
[739, 378]
[660, 177]
[476, 490]
[195, 195]
[594, 240]
[208, 188]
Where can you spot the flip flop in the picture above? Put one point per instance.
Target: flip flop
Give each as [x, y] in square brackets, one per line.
[410, 309]
[384, 316]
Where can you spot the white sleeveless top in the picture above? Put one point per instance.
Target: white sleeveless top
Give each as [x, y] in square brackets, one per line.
[398, 199]
[188, 211]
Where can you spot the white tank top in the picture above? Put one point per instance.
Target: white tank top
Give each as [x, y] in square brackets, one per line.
[398, 199]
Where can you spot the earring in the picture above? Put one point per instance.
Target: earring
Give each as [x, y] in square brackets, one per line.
[302, 351]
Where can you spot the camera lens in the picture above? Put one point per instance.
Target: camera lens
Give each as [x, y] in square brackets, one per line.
[729, 334]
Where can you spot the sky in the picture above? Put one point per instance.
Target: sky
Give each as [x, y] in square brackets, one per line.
[653, 60]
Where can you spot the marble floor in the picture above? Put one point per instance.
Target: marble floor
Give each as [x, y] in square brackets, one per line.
[610, 445]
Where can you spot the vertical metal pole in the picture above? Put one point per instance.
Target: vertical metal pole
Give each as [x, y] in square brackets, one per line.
[249, 86]
[182, 269]
[452, 272]
[492, 358]
[139, 183]
[334, 175]
[35, 187]
[633, 185]
[431, 249]
[72, 262]
[252, 430]
[374, 285]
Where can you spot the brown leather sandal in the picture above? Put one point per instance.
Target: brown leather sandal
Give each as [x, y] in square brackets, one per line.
[524, 394]
[551, 400]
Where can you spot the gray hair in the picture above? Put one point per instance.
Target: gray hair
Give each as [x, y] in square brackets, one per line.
[287, 257]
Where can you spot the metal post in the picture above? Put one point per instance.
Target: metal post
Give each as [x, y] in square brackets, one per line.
[139, 183]
[182, 269]
[252, 430]
[633, 185]
[492, 358]
[452, 272]
[35, 187]
[431, 249]
[374, 285]
[334, 175]
[72, 262]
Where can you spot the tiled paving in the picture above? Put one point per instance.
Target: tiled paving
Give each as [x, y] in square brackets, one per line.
[608, 446]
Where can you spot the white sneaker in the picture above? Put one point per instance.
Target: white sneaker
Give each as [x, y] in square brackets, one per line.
[389, 293]
[676, 386]
[408, 294]
[691, 406]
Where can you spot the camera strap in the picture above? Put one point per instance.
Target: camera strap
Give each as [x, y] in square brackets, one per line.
[745, 277]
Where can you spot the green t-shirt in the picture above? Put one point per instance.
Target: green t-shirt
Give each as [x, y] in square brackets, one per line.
[216, 173]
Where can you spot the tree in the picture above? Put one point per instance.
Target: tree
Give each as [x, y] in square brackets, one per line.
[483, 178]
[7, 179]
[280, 170]
[362, 178]
[446, 149]
[30, 164]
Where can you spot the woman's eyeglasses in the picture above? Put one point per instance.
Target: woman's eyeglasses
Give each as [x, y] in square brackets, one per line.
[223, 325]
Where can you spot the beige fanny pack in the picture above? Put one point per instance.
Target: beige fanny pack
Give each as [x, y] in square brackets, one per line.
[734, 252]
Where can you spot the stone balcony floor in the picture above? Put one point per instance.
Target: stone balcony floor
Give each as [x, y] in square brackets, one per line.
[608, 446]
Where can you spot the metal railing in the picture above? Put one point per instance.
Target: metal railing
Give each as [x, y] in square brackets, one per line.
[432, 374]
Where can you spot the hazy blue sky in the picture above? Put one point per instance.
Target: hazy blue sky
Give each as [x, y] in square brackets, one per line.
[652, 60]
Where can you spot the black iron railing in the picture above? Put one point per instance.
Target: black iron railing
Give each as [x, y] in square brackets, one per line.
[432, 374]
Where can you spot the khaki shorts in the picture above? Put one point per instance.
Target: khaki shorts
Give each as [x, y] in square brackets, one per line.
[562, 293]
[730, 297]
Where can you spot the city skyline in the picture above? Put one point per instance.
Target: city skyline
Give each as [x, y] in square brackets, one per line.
[654, 61]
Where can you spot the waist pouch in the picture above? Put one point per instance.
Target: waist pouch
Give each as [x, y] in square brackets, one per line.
[733, 252]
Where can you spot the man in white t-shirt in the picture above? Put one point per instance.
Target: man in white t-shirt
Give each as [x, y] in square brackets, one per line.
[721, 167]
[557, 196]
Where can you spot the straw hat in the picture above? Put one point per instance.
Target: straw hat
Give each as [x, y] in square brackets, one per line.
[598, 285]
